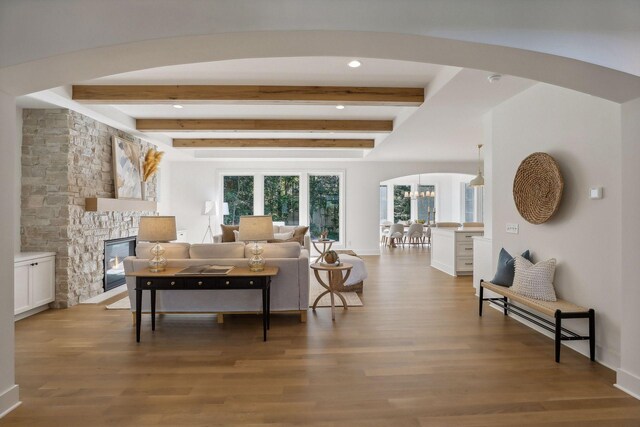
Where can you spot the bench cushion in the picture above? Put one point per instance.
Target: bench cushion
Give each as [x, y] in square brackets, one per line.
[546, 307]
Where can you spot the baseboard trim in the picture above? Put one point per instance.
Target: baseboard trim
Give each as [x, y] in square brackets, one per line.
[628, 383]
[9, 400]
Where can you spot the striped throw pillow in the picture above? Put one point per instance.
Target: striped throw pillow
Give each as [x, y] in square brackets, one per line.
[535, 280]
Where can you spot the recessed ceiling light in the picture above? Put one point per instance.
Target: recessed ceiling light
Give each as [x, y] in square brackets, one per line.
[355, 63]
[177, 106]
[340, 107]
[494, 78]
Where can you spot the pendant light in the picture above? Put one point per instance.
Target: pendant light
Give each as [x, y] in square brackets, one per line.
[478, 181]
[416, 195]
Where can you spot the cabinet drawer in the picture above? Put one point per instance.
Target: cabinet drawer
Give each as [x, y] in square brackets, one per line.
[162, 282]
[465, 237]
[464, 249]
[464, 264]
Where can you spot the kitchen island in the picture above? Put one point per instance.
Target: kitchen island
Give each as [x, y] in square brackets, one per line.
[452, 249]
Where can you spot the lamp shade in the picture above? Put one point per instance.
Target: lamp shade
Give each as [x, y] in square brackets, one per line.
[225, 208]
[208, 207]
[157, 228]
[255, 227]
[478, 181]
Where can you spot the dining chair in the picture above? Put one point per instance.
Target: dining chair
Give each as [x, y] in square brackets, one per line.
[396, 234]
[415, 234]
[384, 231]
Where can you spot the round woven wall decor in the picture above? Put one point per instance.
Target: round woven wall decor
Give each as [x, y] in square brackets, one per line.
[537, 188]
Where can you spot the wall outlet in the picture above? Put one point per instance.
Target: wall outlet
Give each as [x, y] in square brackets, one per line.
[512, 228]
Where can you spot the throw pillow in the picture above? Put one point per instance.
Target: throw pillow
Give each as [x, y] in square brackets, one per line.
[283, 236]
[535, 280]
[227, 232]
[299, 233]
[506, 268]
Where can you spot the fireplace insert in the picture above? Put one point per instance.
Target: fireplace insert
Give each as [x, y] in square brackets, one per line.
[115, 251]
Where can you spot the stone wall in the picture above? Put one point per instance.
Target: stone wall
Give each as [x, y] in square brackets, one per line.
[67, 157]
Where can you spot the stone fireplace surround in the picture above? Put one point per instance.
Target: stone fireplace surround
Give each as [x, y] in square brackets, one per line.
[66, 157]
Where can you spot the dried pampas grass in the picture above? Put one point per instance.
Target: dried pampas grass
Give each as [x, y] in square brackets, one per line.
[151, 162]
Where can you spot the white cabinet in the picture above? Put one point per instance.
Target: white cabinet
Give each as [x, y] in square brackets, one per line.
[34, 282]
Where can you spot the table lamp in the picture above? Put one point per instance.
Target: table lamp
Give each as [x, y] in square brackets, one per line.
[157, 229]
[254, 229]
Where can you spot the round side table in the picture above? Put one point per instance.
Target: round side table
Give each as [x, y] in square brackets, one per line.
[335, 280]
[326, 247]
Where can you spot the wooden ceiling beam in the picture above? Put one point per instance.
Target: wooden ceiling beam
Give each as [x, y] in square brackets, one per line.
[198, 94]
[272, 143]
[250, 125]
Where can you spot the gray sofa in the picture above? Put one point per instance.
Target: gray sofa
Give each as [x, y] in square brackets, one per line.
[276, 229]
[289, 289]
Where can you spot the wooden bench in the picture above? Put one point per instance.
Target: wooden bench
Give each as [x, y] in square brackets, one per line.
[559, 310]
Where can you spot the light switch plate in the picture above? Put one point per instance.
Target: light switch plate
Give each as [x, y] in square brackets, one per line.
[595, 193]
[512, 228]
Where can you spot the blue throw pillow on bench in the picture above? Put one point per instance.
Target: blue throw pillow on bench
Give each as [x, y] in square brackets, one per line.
[506, 268]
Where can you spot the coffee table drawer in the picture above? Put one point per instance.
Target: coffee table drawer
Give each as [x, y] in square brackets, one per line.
[209, 282]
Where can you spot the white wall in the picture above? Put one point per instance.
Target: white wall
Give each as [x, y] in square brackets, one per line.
[194, 182]
[583, 134]
[8, 388]
[629, 373]
[18, 179]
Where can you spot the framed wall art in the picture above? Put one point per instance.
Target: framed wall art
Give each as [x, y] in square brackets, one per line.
[126, 169]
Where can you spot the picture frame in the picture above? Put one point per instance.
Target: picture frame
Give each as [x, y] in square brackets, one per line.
[127, 176]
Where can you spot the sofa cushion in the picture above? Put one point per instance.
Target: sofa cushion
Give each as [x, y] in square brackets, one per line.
[176, 250]
[217, 250]
[276, 250]
[227, 232]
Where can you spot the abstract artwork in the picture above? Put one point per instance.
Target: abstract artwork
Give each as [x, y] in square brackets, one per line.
[126, 169]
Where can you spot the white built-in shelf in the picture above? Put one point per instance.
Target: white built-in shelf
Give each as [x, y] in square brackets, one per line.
[98, 204]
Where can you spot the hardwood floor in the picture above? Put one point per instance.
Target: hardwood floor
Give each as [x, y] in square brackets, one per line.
[416, 354]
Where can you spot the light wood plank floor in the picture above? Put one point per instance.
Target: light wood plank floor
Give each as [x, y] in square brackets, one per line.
[415, 355]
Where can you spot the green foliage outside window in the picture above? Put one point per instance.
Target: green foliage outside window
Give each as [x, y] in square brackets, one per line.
[401, 204]
[324, 205]
[282, 198]
[238, 193]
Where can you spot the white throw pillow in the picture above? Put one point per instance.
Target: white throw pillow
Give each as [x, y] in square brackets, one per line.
[534, 280]
[283, 236]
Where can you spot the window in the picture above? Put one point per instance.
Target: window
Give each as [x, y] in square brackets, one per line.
[383, 203]
[282, 198]
[472, 203]
[324, 205]
[426, 205]
[401, 204]
[238, 193]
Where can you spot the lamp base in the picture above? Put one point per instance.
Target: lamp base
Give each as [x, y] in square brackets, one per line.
[157, 263]
[256, 262]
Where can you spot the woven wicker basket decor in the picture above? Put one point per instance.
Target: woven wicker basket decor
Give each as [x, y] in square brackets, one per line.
[537, 188]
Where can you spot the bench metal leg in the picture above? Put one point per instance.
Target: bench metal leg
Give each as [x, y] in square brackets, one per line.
[480, 293]
[592, 334]
[558, 317]
[506, 302]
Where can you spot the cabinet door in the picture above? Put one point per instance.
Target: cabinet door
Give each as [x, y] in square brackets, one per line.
[42, 282]
[21, 288]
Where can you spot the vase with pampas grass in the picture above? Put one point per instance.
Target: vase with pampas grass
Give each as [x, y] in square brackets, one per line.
[149, 167]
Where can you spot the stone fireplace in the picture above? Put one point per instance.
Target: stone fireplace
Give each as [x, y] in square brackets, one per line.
[67, 157]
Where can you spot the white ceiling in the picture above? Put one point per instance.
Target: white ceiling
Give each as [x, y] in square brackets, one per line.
[447, 126]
